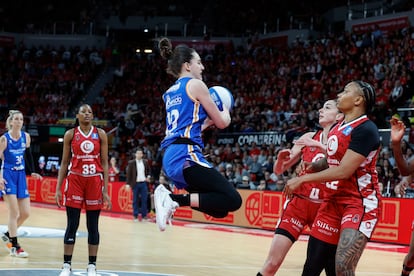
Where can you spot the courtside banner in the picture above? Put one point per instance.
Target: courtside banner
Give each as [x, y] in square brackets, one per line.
[260, 209]
[260, 138]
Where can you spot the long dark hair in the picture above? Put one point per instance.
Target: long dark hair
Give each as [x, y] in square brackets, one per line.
[176, 57]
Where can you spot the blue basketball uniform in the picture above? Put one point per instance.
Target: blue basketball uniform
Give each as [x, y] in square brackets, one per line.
[14, 166]
[185, 116]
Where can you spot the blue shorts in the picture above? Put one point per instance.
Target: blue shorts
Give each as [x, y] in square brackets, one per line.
[176, 156]
[16, 183]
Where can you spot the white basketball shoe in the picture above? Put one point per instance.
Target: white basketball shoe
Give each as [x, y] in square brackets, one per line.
[164, 206]
[91, 269]
[66, 270]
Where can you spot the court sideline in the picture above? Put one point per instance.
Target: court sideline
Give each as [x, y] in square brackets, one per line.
[191, 249]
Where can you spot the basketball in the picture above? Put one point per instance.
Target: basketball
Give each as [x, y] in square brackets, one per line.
[222, 96]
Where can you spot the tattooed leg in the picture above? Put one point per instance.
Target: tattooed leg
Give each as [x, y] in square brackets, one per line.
[350, 248]
[408, 263]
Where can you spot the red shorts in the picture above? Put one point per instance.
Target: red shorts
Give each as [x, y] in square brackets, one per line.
[333, 216]
[83, 191]
[297, 213]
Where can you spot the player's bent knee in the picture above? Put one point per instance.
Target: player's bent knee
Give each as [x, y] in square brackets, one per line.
[235, 203]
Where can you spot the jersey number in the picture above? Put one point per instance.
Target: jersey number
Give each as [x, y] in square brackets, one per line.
[314, 194]
[172, 118]
[89, 169]
[332, 185]
[19, 159]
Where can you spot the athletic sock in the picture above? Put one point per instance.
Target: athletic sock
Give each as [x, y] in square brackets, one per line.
[14, 242]
[92, 260]
[182, 200]
[67, 259]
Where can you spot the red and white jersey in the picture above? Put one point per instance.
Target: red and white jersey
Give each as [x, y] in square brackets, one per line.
[312, 190]
[86, 153]
[361, 136]
[112, 175]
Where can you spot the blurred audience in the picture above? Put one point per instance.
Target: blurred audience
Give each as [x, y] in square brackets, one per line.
[275, 89]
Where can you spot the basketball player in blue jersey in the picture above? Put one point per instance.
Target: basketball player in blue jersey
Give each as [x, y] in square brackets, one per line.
[14, 149]
[189, 110]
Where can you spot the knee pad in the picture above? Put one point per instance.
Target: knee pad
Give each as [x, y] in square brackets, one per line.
[92, 220]
[93, 238]
[73, 215]
[69, 238]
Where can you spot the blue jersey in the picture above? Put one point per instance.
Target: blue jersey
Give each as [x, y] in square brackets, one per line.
[14, 166]
[185, 115]
[14, 152]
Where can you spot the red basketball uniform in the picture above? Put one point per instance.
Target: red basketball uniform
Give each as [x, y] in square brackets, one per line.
[301, 210]
[84, 183]
[112, 175]
[353, 202]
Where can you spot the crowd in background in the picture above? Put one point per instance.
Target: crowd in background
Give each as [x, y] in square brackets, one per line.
[44, 83]
[274, 89]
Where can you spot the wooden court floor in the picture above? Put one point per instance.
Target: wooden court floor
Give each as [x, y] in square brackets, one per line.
[184, 249]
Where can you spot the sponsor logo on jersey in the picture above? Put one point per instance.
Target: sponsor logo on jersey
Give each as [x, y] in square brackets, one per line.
[332, 145]
[326, 226]
[347, 130]
[296, 222]
[355, 218]
[87, 146]
[176, 100]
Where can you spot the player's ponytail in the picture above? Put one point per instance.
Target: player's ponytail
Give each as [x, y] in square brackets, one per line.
[165, 47]
[176, 57]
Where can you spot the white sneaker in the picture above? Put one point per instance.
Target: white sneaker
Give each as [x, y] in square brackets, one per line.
[66, 270]
[164, 207]
[91, 269]
[19, 253]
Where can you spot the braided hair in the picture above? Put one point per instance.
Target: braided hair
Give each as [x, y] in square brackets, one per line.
[369, 94]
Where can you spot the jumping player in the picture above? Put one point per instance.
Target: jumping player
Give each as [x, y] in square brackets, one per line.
[189, 109]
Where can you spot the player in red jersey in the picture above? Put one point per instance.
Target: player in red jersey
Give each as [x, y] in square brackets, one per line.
[406, 168]
[300, 211]
[113, 170]
[84, 168]
[350, 211]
